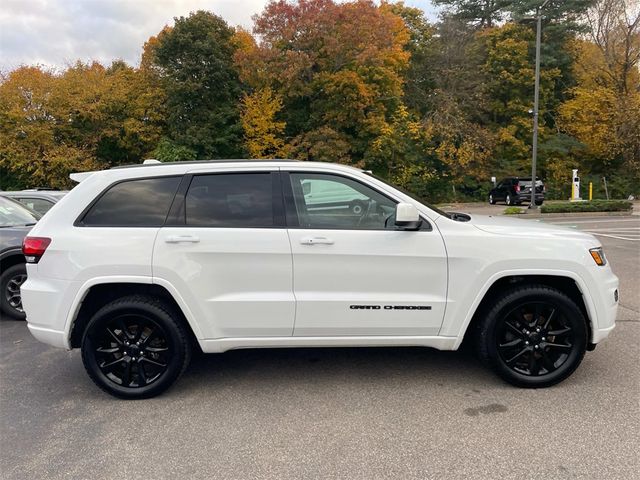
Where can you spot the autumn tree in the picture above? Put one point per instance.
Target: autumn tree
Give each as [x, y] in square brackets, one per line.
[194, 60]
[263, 132]
[604, 110]
[339, 68]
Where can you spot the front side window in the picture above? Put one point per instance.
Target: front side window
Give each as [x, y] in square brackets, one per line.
[335, 202]
[134, 203]
[235, 200]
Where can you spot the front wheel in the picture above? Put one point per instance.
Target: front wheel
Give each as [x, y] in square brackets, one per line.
[135, 347]
[10, 282]
[508, 200]
[534, 336]
[492, 200]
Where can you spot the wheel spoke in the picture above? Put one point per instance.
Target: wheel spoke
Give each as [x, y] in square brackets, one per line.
[546, 324]
[534, 367]
[142, 378]
[518, 355]
[108, 365]
[556, 333]
[108, 350]
[145, 340]
[156, 349]
[558, 346]
[115, 337]
[511, 344]
[153, 362]
[536, 316]
[547, 363]
[126, 378]
[513, 328]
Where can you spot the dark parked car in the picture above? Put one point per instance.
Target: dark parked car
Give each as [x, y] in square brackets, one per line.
[38, 199]
[515, 191]
[15, 222]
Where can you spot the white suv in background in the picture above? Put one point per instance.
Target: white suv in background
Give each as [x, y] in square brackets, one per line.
[139, 265]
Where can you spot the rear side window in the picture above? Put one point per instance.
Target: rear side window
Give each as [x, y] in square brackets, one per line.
[134, 203]
[236, 200]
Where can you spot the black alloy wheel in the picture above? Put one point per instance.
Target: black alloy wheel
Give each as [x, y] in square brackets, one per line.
[134, 347]
[10, 282]
[534, 336]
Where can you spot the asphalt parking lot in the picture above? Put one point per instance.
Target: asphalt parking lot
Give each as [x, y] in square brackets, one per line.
[334, 413]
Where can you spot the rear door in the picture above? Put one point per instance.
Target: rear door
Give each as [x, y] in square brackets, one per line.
[226, 249]
[354, 273]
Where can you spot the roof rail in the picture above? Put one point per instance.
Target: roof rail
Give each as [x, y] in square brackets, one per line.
[157, 163]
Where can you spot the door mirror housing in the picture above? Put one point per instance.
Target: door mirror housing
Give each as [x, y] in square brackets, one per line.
[407, 217]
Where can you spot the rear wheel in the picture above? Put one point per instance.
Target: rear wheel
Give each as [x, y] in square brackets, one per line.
[508, 200]
[11, 300]
[534, 336]
[135, 347]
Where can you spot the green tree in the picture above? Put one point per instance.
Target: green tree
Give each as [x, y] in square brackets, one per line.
[194, 60]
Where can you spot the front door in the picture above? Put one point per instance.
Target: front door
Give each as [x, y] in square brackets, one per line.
[354, 273]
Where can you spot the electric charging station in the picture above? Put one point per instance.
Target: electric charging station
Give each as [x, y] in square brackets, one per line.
[575, 186]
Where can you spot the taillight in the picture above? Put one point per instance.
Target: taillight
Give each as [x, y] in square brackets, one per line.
[34, 247]
[517, 187]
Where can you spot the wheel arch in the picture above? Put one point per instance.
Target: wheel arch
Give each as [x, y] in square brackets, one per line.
[11, 257]
[99, 293]
[566, 282]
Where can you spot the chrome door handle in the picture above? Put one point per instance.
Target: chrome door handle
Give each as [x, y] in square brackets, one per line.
[316, 240]
[181, 239]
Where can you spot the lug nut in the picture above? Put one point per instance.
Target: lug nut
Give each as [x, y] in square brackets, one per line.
[526, 343]
[536, 347]
[544, 339]
[538, 329]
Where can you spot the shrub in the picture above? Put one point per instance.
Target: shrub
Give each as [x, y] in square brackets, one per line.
[513, 210]
[593, 206]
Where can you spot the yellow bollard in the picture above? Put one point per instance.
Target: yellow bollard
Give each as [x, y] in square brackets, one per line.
[590, 190]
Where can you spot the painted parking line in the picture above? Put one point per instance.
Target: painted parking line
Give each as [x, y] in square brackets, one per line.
[614, 233]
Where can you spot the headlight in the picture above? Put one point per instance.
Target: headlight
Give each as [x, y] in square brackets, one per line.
[598, 256]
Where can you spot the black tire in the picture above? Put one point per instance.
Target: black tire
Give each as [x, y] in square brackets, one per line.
[135, 347]
[10, 298]
[539, 202]
[491, 200]
[508, 200]
[552, 347]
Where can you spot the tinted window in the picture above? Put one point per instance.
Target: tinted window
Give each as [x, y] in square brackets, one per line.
[143, 203]
[331, 201]
[230, 200]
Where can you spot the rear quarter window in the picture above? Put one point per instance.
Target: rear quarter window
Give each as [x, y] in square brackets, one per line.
[133, 203]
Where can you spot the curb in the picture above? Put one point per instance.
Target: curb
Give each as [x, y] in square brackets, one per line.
[569, 214]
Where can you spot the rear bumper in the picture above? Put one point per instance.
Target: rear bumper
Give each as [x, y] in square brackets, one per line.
[47, 303]
[526, 197]
[51, 337]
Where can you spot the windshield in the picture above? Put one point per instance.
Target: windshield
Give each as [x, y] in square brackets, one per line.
[12, 214]
[412, 195]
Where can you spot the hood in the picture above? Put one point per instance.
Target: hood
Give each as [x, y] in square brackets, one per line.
[501, 225]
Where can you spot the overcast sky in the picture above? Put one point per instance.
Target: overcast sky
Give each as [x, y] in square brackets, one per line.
[56, 33]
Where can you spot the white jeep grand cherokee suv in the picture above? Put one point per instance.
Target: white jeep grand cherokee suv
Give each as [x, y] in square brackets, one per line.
[138, 266]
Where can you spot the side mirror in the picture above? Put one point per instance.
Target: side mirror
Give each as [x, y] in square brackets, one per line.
[407, 217]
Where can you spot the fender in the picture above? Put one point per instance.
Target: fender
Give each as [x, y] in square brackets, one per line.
[581, 284]
[10, 252]
[84, 289]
